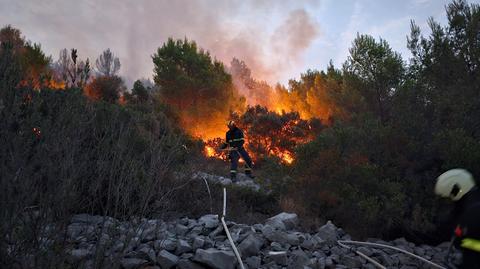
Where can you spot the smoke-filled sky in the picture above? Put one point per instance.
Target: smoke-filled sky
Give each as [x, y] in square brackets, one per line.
[277, 39]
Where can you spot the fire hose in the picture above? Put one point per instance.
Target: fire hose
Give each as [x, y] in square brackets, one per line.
[237, 254]
[343, 242]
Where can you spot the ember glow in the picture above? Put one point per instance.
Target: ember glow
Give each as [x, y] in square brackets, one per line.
[209, 151]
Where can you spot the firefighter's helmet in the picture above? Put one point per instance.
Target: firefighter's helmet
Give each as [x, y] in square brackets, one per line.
[231, 123]
[454, 184]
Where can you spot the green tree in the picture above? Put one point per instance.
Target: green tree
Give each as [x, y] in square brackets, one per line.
[195, 85]
[446, 68]
[376, 71]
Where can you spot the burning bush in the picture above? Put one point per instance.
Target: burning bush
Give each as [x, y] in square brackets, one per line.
[269, 134]
[106, 88]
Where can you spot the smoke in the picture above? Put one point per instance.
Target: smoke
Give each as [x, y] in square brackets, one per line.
[270, 36]
[293, 37]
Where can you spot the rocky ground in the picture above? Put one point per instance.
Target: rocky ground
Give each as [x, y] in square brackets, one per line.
[202, 243]
[104, 242]
[242, 180]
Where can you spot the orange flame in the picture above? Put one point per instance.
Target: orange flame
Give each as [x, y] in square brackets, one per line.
[287, 157]
[209, 151]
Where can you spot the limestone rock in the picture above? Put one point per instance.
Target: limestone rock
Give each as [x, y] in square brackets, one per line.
[217, 259]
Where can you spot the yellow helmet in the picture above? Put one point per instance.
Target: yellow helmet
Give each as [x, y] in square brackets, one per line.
[454, 184]
[231, 123]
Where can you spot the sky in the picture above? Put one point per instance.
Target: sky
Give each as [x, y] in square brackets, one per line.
[278, 40]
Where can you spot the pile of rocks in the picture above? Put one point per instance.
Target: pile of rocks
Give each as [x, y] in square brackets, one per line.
[242, 180]
[202, 243]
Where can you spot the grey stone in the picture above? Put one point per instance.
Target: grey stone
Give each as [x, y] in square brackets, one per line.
[419, 251]
[166, 259]
[329, 263]
[298, 259]
[132, 263]
[195, 231]
[319, 254]
[251, 246]
[400, 242]
[209, 221]
[257, 227]
[181, 230]
[74, 230]
[80, 254]
[186, 256]
[283, 221]
[279, 236]
[198, 242]
[408, 267]
[217, 259]
[187, 264]
[384, 258]
[279, 257]
[216, 232]
[253, 262]
[275, 246]
[351, 262]
[369, 266]
[146, 233]
[365, 251]
[308, 244]
[328, 232]
[147, 252]
[182, 247]
[167, 244]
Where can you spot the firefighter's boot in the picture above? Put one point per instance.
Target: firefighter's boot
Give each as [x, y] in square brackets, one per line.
[233, 176]
[249, 174]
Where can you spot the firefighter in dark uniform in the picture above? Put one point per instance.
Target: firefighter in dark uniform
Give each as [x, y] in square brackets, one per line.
[459, 185]
[235, 140]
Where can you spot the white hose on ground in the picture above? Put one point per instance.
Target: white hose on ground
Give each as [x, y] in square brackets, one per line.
[209, 194]
[374, 262]
[393, 248]
[227, 231]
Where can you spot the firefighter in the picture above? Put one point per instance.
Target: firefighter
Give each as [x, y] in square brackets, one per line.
[235, 140]
[459, 186]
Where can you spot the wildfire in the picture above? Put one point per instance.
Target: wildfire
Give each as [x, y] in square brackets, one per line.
[37, 84]
[287, 157]
[209, 151]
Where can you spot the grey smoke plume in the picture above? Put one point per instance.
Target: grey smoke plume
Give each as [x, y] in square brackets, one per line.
[270, 36]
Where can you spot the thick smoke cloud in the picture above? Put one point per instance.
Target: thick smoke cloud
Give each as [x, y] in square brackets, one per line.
[270, 36]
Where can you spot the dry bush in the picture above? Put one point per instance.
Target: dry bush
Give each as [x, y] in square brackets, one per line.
[61, 154]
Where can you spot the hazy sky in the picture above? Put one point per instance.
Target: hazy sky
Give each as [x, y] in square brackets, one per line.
[277, 39]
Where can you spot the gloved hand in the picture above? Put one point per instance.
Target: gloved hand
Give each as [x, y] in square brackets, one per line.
[223, 146]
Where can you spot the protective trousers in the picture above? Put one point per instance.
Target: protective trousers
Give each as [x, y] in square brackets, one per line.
[235, 156]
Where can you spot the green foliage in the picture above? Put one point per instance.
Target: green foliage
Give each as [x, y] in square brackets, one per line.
[374, 70]
[187, 75]
[407, 125]
[195, 85]
[139, 92]
[63, 154]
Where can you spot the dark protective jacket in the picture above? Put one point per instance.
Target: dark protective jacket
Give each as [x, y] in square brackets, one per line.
[235, 138]
[467, 231]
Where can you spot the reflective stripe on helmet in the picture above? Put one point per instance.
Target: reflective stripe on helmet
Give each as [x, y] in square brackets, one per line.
[472, 244]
